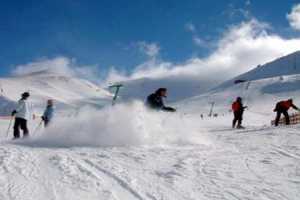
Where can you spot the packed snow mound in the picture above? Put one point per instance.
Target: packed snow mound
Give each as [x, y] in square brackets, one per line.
[284, 66]
[66, 91]
[121, 125]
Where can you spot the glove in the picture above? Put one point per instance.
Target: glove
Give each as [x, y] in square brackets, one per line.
[13, 113]
[43, 118]
[169, 109]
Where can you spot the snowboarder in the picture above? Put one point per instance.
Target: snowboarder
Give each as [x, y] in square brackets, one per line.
[22, 115]
[282, 107]
[238, 111]
[48, 113]
[155, 101]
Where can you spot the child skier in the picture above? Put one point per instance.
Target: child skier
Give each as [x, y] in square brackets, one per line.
[22, 113]
[48, 113]
[238, 111]
[282, 107]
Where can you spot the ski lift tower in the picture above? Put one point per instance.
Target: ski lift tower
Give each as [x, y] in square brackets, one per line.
[1, 90]
[117, 86]
[211, 109]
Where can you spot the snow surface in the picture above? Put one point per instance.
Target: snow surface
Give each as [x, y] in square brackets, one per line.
[183, 157]
[127, 152]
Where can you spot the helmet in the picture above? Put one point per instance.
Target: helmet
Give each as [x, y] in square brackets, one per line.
[25, 95]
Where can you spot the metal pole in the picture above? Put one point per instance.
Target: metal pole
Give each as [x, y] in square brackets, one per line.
[211, 109]
[117, 86]
[38, 127]
[9, 126]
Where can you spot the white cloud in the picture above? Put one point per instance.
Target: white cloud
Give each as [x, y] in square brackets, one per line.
[199, 42]
[248, 3]
[241, 48]
[234, 12]
[150, 49]
[294, 17]
[59, 65]
[190, 27]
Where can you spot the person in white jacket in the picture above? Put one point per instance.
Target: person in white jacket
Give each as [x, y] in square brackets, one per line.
[22, 114]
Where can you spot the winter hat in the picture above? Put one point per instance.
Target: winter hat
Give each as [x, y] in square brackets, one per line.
[25, 95]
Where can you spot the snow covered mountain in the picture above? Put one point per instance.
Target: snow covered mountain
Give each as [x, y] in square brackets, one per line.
[68, 92]
[261, 88]
[284, 66]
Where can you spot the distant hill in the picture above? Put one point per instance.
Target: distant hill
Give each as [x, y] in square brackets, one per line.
[287, 65]
[260, 88]
[66, 91]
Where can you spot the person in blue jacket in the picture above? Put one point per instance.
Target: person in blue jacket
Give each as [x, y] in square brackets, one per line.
[48, 113]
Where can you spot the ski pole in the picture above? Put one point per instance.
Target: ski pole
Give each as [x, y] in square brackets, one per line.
[38, 127]
[9, 126]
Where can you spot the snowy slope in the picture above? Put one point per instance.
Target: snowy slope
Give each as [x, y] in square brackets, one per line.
[126, 152]
[263, 87]
[259, 95]
[257, 163]
[287, 65]
[67, 92]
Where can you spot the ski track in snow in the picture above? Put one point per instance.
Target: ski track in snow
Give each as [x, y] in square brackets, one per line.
[255, 163]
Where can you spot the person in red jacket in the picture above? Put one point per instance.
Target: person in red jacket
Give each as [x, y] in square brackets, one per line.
[238, 111]
[282, 107]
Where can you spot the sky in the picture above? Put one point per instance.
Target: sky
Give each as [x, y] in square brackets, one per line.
[120, 39]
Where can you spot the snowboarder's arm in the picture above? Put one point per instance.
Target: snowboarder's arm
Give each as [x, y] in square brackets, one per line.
[295, 107]
[169, 109]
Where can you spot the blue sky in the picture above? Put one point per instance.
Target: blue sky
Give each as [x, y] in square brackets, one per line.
[118, 33]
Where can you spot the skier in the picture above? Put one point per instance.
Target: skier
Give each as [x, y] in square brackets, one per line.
[282, 107]
[155, 101]
[48, 113]
[22, 114]
[238, 111]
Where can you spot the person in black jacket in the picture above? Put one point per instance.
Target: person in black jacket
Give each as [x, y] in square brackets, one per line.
[155, 101]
